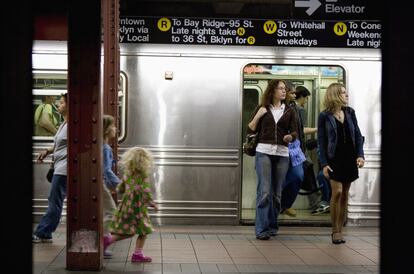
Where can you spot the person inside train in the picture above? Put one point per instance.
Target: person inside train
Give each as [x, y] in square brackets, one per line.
[302, 96]
[49, 222]
[131, 216]
[46, 117]
[276, 126]
[291, 191]
[295, 173]
[341, 152]
[324, 186]
[110, 179]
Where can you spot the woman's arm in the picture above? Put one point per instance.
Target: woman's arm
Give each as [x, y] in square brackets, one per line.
[43, 154]
[252, 126]
[309, 130]
[322, 139]
[148, 199]
[111, 180]
[293, 128]
[359, 140]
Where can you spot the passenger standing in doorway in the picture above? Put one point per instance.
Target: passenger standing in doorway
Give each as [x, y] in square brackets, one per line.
[110, 179]
[275, 123]
[50, 221]
[302, 96]
[298, 99]
[341, 152]
[324, 185]
[131, 216]
[295, 174]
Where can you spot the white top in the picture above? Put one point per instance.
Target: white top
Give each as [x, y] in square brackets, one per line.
[60, 153]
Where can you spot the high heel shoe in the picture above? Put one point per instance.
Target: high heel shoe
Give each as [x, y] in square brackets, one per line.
[336, 241]
[342, 238]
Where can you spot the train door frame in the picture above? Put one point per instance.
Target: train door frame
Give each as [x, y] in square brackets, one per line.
[244, 157]
[313, 82]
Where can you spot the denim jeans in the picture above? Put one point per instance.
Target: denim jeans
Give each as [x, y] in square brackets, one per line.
[50, 220]
[291, 185]
[325, 187]
[271, 172]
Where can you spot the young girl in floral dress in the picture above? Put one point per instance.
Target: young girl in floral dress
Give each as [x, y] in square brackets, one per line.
[131, 216]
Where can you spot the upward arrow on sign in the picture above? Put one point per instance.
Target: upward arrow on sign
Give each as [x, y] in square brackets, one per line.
[312, 5]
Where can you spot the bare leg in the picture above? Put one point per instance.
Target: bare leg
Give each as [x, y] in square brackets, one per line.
[344, 204]
[110, 239]
[138, 256]
[140, 241]
[336, 209]
[118, 237]
[335, 204]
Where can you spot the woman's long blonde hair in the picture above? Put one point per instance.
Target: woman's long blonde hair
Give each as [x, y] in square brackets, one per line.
[333, 99]
[136, 161]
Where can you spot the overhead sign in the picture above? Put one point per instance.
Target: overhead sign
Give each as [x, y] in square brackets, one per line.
[250, 32]
[337, 9]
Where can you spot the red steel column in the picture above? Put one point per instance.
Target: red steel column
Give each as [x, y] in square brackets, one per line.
[110, 18]
[84, 185]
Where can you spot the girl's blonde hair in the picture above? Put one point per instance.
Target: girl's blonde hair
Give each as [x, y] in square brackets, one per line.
[108, 120]
[136, 161]
[333, 99]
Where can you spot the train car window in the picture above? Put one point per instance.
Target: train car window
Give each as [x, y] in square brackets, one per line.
[315, 78]
[122, 93]
[47, 88]
[251, 96]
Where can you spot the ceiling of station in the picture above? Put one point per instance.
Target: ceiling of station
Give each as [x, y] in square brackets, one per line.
[208, 8]
[186, 8]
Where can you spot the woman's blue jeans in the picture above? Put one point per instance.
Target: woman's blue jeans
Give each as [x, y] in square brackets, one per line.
[271, 172]
[291, 185]
[325, 188]
[50, 220]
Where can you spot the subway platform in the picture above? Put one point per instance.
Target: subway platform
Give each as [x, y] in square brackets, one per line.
[230, 249]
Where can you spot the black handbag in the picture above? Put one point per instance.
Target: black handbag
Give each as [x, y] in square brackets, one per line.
[50, 172]
[250, 144]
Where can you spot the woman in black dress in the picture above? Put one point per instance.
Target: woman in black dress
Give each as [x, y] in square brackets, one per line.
[341, 152]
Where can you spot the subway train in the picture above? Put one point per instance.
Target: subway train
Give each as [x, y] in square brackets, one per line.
[190, 104]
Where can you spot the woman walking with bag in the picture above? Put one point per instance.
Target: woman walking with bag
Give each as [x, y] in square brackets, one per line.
[50, 220]
[341, 152]
[275, 123]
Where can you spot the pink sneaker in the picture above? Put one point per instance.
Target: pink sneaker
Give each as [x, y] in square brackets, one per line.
[107, 241]
[140, 258]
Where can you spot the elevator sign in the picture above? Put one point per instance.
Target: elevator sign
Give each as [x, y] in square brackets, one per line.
[337, 9]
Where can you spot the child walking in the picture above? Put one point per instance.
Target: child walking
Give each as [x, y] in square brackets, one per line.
[131, 216]
[110, 179]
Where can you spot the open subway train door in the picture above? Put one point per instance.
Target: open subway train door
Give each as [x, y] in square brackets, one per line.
[316, 79]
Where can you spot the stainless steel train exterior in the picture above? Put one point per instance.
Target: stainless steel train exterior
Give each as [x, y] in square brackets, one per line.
[189, 105]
